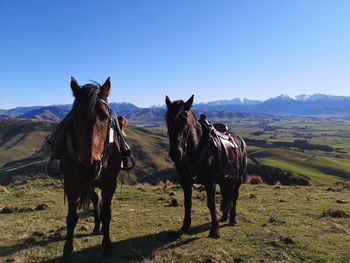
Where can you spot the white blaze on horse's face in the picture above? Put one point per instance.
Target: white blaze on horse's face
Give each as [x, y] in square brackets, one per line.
[177, 123]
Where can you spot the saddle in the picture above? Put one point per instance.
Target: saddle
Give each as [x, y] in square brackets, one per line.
[62, 139]
[225, 147]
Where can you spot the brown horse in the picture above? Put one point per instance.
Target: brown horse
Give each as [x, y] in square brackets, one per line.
[92, 158]
[198, 159]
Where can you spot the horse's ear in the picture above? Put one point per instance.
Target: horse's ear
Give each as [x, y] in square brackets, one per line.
[123, 122]
[188, 104]
[74, 86]
[167, 101]
[106, 87]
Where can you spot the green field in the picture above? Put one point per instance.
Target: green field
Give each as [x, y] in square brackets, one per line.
[319, 166]
[275, 224]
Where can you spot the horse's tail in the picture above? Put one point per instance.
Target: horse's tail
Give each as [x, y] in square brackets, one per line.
[244, 160]
[84, 202]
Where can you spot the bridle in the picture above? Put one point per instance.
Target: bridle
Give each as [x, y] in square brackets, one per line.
[192, 168]
[113, 133]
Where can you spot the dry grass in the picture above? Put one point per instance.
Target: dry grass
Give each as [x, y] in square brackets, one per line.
[280, 224]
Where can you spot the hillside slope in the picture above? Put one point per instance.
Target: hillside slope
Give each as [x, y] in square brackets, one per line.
[23, 153]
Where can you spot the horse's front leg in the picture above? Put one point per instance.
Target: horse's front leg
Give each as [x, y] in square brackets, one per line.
[214, 231]
[187, 189]
[107, 194]
[71, 221]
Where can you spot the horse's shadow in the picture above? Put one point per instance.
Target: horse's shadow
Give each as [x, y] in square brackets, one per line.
[137, 248]
[133, 249]
[10, 250]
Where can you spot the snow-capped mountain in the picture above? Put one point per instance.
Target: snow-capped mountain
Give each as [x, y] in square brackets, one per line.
[235, 101]
[283, 97]
[319, 96]
[316, 104]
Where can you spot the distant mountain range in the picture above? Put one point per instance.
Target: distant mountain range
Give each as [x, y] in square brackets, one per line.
[317, 104]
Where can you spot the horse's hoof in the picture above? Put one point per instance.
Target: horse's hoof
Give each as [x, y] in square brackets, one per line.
[67, 252]
[214, 234]
[184, 230]
[232, 222]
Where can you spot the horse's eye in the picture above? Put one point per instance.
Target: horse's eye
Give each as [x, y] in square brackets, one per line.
[104, 119]
[103, 116]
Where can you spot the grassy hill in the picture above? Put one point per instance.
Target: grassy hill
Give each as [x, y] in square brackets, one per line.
[20, 138]
[22, 151]
[23, 154]
[150, 149]
[275, 224]
[22, 148]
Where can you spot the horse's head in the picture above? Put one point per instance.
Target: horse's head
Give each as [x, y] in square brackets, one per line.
[178, 123]
[91, 118]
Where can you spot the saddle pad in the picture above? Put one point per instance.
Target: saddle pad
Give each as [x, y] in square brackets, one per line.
[111, 135]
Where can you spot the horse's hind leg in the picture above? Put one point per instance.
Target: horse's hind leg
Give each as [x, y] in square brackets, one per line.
[96, 201]
[72, 220]
[226, 193]
[107, 194]
[234, 197]
[214, 231]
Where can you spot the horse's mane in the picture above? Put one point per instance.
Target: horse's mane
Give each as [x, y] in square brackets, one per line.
[90, 93]
[169, 115]
[192, 119]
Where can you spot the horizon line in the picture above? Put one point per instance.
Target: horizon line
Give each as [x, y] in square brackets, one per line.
[160, 105]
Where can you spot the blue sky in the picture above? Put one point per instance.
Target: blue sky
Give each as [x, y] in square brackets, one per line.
[213, 49]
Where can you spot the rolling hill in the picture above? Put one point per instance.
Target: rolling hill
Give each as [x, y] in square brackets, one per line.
[50, 113]
[23, 152]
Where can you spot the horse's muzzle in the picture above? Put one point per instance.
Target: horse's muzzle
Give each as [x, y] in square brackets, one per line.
[175, 154]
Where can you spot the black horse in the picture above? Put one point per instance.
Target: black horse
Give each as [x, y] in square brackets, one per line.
[197, 155]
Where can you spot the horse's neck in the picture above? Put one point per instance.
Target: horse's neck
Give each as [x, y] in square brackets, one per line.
[195, 141]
